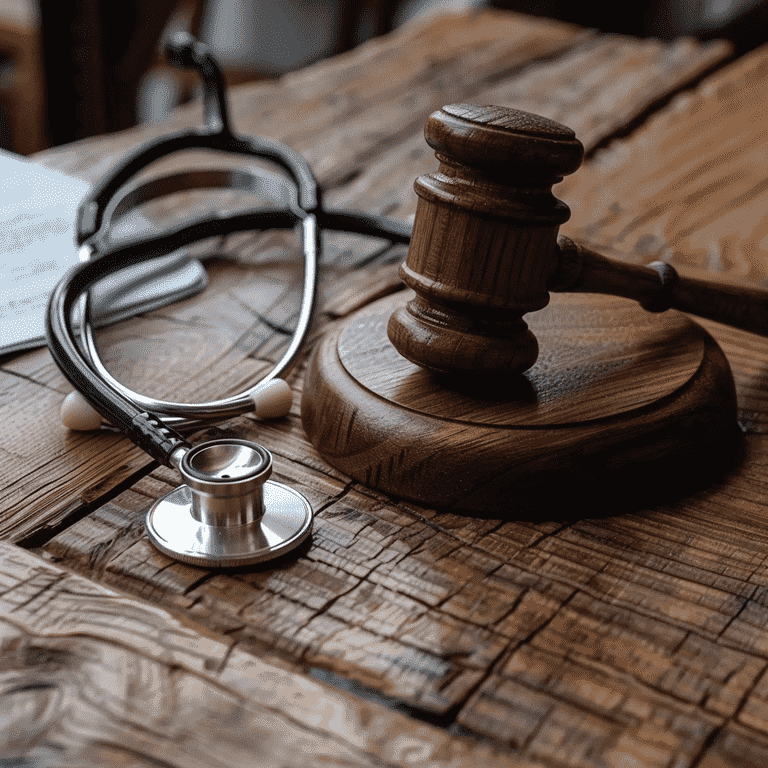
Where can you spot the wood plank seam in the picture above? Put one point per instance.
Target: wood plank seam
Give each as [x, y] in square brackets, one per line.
[38, 538]
[663, 100]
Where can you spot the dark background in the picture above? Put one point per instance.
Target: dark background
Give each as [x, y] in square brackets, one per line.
[101, 70]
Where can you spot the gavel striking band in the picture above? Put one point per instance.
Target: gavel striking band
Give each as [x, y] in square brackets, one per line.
[485, 248]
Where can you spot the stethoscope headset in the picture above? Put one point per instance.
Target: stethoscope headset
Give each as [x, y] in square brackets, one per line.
[227, 512]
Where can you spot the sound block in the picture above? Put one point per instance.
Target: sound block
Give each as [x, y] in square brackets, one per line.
[622, 406]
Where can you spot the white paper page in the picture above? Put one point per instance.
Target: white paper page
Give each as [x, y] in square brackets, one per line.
[38, 207]
[37, 225]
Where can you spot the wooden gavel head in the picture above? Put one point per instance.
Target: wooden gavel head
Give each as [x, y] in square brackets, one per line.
[484, 239]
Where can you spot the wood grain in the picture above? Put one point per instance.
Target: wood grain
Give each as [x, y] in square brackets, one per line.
[686, 186]
[618, 395]
[634, 635]
[333, 111]
[658, 287]
[484, 240]
[689, 188]
[583, 339]
[599, 87]
[91, 677]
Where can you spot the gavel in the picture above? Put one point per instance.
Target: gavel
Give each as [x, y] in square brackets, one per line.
[441, 400]
[485, 249]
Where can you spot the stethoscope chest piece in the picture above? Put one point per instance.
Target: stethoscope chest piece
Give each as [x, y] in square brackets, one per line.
[228, 513]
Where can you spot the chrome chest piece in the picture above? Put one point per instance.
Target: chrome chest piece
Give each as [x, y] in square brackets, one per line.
[228, 513]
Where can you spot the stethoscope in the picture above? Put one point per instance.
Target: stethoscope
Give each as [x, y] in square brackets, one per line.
[227, 512]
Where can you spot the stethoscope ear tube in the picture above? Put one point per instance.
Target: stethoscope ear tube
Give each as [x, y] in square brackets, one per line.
[90, 214]
[184, 51]
[145, 429]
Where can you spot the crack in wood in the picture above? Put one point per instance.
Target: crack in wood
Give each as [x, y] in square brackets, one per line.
[40, 537]
[29, 379]
[662, 102]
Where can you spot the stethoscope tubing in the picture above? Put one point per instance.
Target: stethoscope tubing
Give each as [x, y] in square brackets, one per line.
[120, 405]
[182, 415]
[90, 217]
[144, 419]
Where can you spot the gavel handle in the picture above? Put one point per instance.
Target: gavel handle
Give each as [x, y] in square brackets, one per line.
[658, 287]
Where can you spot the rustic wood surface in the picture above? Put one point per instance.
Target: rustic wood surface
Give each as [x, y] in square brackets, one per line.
[92, 677]
[633, 639]
[689, 188]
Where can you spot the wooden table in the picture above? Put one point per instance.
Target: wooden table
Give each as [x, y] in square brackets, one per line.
[406, 636]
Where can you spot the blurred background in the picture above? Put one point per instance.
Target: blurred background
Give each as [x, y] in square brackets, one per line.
[70, 69]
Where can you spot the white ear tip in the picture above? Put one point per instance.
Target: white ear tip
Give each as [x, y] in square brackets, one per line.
[78, 414]
[274, 401]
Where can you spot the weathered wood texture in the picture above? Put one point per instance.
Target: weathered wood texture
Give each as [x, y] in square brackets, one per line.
[637, 639]
[90, 677]
[637, 635]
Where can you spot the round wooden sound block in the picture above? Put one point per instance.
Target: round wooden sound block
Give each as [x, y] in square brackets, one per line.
[620, 405]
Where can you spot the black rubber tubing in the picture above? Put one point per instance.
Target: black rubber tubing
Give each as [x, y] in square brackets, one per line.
[145, 429]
